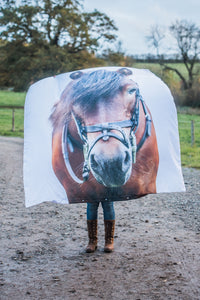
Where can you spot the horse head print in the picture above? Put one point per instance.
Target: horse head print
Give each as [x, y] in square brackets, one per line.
[102, 129]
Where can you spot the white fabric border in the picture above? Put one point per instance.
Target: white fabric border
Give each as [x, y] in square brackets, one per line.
[40, 182]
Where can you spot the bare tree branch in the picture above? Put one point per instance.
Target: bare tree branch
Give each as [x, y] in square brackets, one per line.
[187, 37]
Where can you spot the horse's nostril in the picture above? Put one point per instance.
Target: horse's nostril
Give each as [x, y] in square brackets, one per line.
[127, 158]
[93, 162]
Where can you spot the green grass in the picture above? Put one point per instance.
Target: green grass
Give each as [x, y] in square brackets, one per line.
[11, 98]
[157, 69]
[6, 122]
[190, 155]
[8, 98]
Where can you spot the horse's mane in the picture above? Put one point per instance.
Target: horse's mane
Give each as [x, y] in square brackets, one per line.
[87, 91]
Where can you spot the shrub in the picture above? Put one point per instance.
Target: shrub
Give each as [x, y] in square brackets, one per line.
[190, 97]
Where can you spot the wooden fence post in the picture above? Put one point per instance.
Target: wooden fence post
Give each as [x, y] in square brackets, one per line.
[13, 113]
[192, 132]
[13, 120]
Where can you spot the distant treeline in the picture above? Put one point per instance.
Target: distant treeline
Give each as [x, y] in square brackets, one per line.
[154, 59]
[41, 38]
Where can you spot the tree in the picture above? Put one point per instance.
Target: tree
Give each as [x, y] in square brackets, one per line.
[58, 22]
[45, 37]
[187, 39]
[19, 23]
[115, 56]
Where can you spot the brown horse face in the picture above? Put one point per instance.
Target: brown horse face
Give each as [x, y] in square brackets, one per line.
[110, 160]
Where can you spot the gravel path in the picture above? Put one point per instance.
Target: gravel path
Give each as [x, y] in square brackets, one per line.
[157, 244]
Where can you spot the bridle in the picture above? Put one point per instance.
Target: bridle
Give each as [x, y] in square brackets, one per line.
[106, 133]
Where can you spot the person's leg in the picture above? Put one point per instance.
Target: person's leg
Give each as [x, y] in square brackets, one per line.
[92, 211]
[92, 215]
[108, 210]
[109, 222]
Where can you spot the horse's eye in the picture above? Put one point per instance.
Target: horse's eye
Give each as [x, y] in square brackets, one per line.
[79, 121]
[131, 91]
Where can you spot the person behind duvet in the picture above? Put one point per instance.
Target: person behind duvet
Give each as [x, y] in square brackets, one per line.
[92, 224]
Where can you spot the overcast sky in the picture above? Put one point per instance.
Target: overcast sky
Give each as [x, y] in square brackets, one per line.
[134, 18]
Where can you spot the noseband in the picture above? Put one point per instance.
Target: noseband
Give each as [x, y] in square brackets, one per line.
[106, 130]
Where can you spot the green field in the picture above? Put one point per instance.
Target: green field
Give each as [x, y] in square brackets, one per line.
[158, 70]
[11, 98]
[190, 155]
[8, 98]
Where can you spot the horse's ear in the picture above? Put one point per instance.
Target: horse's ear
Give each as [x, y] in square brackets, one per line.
[76, 75]
[125, 71]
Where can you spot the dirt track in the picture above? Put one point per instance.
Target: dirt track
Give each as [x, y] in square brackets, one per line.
[157, 244]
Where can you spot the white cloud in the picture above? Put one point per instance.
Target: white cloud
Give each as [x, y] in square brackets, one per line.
[134, 18]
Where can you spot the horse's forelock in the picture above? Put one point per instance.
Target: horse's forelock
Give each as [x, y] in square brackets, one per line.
[97, 86]
[87, 91]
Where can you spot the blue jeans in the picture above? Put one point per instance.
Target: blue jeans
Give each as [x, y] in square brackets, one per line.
[108, 210]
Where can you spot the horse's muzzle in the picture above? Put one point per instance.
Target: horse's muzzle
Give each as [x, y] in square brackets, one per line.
[111, 171]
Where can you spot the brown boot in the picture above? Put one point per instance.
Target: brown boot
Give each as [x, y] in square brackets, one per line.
[92, 234]
[109, 235]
